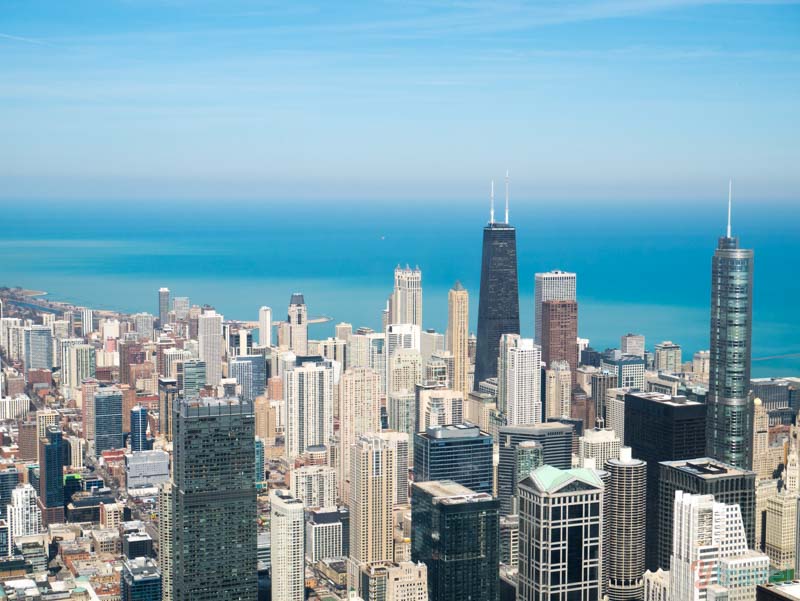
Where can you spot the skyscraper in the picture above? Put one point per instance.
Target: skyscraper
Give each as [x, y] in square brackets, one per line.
[730, 415]
[461, 453]
[308, 391]
[552, 285]
[294, 331]
[560, 542]
[455, 532]
[38, 345]
[560, 333]
[458, 335]
[359, 413]
[632, 344]
[250, 372]
[163, 306]
[668, 357]
[141, 580]
[498, 305]
[209, 337]
[265, 326]
[52, 456]
[405, 303]
[24, 515]
[139, 428]
[214, 501]
[287, 552]
[107, 419]
[519, 380]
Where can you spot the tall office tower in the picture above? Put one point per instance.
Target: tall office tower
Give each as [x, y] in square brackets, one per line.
[250, 372]
[498, 304]
[343, 331]
[627, 369]
[730, 415]
[519, 380]
[781, 530]
[314, 485]
[399, 337]
[62, 359]
[710, 548]
[140, 580]
[701, 364]
[403, 581]
[171, 357]
[266, 420]
[558, 390]
[373, 475]
[436, 372]
[359, 413]
[167, 393]
[405, 372]
[632, 344]
[333, 349]
[437, 406]
[163, 307]
[191, 377]
[209, 336]
[430, 343]
[87, 322]
[598, 445]
[52, 456]
[139, 429]
[560, 333]
[405, 303]
[308, 392]
[668, 357]
[560, 541]
[107, 419]
[293, 332]
[400, 443]
[24, 515]
[213, 466]
[552, 285]
[458, 335]
[324, 533]
[9, 479]
[81, 364]
[38, 345]
[762, 464]
[287, 553]
[180, 304]
[130, 353]
[166, 534]
[703, 476]
[555, 440]
[265, 326]
[455, 532]
[658, 428]
[144, 325]
[460, 452]
[625, 496]
[600, 383]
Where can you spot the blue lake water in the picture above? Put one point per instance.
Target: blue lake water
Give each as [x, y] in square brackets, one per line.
[641, 267]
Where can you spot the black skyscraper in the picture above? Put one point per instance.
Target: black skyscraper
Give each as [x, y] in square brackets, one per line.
[498, 308]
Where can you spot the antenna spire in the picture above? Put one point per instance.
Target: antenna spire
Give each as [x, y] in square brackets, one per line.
[506, 196]
[730, 194]
[491, 204]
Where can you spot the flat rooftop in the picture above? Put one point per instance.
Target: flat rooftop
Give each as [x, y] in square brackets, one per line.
[448, 492]
[707, 468]
[666, 399]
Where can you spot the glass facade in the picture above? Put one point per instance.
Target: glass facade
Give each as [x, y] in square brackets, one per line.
[462, 454]
[107, 420]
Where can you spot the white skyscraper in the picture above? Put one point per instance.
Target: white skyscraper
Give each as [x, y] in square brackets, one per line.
[87, 321]
[632, 344]
[458, 336]
[24, 514]
[265, 326]
[359, 413]
[558, 389]
[308, 394]
[405, 303]
[599, 445]
[209, 337]
[399, 337]
[287, 546]
[438, 406]
[294, 331]
[314, 485]
[709, 546]
[553, 285]
[519, 380]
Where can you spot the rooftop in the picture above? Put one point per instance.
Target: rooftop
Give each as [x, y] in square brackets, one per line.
[549, 479]
[465, 430]
[448, 492]
[707, 468]
[666, 399]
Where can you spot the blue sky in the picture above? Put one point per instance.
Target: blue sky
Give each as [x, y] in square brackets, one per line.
[585, 100]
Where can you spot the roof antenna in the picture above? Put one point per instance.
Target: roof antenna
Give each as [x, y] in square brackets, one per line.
[506, 196]
[730, 193]
[491, 205]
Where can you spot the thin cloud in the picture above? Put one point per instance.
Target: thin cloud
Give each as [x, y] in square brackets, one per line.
[17, 38]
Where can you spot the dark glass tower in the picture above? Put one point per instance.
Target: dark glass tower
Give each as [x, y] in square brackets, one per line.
[52, 453]
[456, 533]
[461, 453]
[138, 428]
[729, 427]
[107, 419]
[498, 307]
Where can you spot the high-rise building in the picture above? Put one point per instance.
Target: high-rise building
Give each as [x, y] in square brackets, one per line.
[703, 476]
[141, 580]
[405, 303]
[555, 440]
[326, 533]
[710, 549]
[314, 485]
[167, 393]
[560, 333]
[293, 333]
[455, 532]
[79, 363]
[9, 479]
[762, 464]
[163, 306]
[498, 305]
[265, 326]
[209, 337]
[558, 379]
[144, 325]
[389, 581]
[52, 457]
[598, 445]
[730, 414]
[668, 357]
[458, 335]
[400, 444]
[38, 348]
[23, 513]
[437, 406]
[632, 344]
[560, 535]
[250, 372]
[308, 384]
[624, 549]
[191, 376]
[107, 419]
[166, 538]
[659, 427]
[460, 452]
[287, 554]
[139, 429]
[519, 380]
[781, 531]
[214, 501]
[627, 369]
[552, 285]
[600, 383]
[399, 338]
[87, 321]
